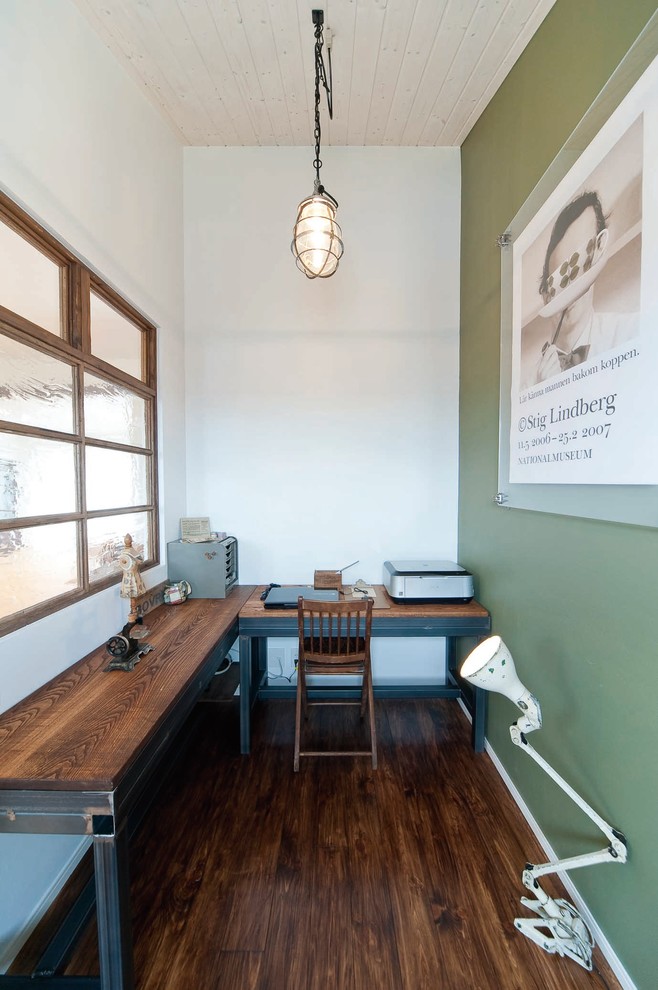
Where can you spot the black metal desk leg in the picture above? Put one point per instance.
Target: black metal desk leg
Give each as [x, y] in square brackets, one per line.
[245, 694]
[258, 665]
[113, 906]
[479, 716]
[451, 654]
[474, 698]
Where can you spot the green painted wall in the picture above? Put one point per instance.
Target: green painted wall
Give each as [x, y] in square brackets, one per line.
[574, 599]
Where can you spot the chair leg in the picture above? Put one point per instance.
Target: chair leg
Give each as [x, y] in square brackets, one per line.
[364, 693]
[298, 715]
[371, 713]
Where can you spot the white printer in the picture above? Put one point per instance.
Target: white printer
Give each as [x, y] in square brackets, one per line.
[427, 581]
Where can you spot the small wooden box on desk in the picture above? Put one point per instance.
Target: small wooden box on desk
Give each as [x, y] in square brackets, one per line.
[325, 580]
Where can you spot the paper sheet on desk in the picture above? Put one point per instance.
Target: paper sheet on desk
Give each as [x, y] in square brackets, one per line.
[368, 592]
[364, 593]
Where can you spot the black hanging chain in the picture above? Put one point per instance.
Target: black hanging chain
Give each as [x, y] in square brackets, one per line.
[320, 77]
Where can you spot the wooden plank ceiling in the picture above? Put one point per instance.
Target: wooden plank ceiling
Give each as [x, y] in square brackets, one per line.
[240, 72]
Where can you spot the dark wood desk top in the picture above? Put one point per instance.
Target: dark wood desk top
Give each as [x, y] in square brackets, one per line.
[85, 728]
[255, 609]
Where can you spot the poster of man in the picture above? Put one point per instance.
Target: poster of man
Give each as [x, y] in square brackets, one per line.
[584, 360]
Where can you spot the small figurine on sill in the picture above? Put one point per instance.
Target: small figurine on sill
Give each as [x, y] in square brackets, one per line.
[132, 585]
[126, 649]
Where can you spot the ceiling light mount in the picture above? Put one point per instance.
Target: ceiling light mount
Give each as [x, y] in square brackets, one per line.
[316, 244]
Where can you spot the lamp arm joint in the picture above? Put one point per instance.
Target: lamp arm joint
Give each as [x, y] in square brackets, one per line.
[607, 855]
[616, 838]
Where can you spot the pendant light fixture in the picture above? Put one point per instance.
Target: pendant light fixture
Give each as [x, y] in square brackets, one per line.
[316, 242]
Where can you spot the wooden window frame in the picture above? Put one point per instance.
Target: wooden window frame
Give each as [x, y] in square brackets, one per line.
[77, 281]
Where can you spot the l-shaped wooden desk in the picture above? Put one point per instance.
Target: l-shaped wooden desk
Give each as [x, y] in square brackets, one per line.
[81, 754]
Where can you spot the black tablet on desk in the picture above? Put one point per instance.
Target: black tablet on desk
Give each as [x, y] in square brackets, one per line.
[287, 597]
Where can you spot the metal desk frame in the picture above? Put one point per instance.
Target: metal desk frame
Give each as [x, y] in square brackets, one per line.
[103, 815]
[255, 631]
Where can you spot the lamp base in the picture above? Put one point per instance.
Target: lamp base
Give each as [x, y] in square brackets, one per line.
[569, 935]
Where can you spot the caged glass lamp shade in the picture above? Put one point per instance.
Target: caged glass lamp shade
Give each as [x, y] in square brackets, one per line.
[316, 242]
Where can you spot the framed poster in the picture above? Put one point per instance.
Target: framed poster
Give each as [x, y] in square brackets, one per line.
[579, 334]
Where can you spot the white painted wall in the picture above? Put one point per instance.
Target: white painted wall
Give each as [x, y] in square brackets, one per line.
[85, 153]
[322, 416]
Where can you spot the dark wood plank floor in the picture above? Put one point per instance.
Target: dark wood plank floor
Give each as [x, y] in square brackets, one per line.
[247, 876]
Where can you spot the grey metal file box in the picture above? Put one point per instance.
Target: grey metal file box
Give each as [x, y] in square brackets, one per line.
[210, 568]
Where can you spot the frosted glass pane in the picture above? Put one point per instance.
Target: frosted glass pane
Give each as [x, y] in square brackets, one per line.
[115, 479]
[29, 281]
[114, 413]
[105, 541]
[35, 389]
[114, 338]
[36, 564]
[37, 477]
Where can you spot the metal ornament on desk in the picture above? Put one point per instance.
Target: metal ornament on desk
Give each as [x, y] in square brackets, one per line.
[126, 649]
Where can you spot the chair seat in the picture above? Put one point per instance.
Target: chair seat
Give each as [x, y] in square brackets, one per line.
[344, 647]
[334, 668]
[344, 657]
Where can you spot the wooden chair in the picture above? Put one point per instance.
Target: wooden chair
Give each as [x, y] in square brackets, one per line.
[334, 638]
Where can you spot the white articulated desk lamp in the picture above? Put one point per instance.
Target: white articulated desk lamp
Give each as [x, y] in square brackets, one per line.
[490, 666]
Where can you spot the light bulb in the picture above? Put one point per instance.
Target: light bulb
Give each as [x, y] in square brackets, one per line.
[317, 244]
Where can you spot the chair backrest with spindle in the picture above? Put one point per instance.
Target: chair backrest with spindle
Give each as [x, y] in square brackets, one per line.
[335, 635]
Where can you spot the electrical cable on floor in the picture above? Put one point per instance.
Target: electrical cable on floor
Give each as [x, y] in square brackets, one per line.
[281, 676]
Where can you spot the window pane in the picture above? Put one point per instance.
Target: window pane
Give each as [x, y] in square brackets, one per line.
[29, 281]
[35, 389]
[36, 564]
[114, 413]
[115, 479]
[37, 477]
[105, 541]
[114, 338]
